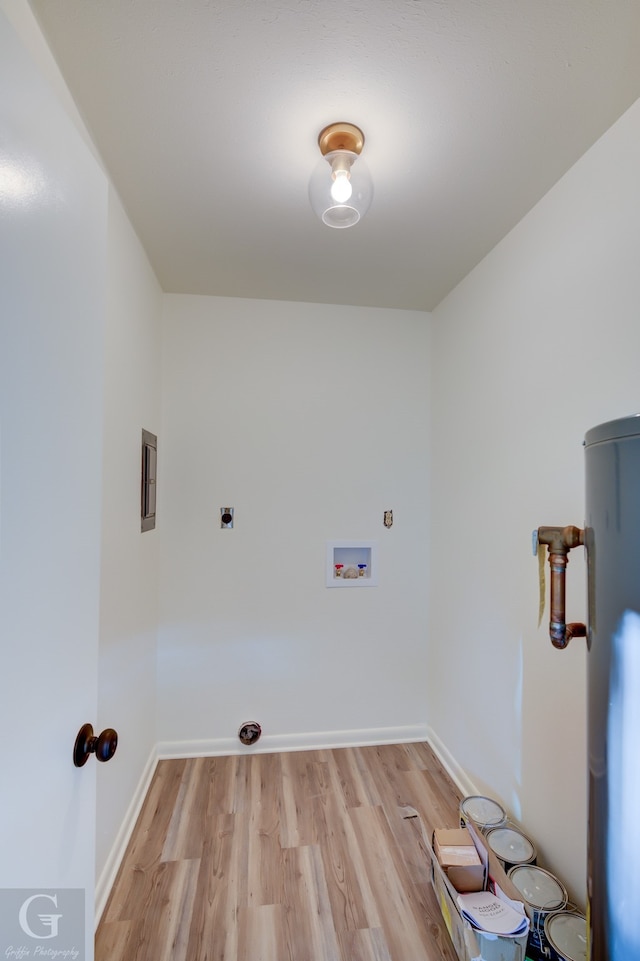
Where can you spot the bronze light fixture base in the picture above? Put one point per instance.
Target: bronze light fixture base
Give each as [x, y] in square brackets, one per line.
[341, 136]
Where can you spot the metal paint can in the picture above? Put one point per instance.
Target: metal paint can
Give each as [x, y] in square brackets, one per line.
[543, 894]
[566, 934]
[511, 847]
[486, 812]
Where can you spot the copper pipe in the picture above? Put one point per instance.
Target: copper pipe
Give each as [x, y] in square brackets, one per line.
[560, 540]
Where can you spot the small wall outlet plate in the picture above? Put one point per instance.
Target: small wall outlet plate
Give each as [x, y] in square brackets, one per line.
[226, 517]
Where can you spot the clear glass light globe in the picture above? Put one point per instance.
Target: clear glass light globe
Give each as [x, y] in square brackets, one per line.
[330, 208]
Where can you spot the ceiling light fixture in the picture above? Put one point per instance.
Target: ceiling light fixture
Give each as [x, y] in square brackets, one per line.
[341, 195]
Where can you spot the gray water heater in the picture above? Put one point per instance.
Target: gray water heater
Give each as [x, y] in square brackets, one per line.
[612, 540]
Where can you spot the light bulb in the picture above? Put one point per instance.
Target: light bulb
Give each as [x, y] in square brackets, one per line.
[341, 195]
[341, 188]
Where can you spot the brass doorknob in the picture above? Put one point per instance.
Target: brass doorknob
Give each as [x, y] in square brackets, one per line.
[103, 746]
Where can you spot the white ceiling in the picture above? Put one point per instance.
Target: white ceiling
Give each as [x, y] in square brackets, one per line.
[207, 113]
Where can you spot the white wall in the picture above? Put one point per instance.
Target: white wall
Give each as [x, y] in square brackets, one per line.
[128, 580]
[128, 608]
[538, 344]
[310, 421]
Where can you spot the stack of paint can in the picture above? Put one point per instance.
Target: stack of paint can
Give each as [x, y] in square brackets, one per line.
[483, 811]
[542, 894]
[558, 931]
[566, 935]
[511, 847]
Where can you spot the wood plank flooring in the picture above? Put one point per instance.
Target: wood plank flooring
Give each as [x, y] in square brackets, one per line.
[304, 856]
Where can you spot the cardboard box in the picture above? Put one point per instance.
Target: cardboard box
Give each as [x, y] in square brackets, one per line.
[459, 859]
[469, 943]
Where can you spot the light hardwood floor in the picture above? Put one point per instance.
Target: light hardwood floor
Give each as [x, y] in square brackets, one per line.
[304, 856]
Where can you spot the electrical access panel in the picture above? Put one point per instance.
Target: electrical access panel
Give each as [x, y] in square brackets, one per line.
[148, 486]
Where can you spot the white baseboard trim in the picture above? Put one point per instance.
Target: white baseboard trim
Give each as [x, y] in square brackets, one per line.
[457, 774]
[108, 874]
[309, 741]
